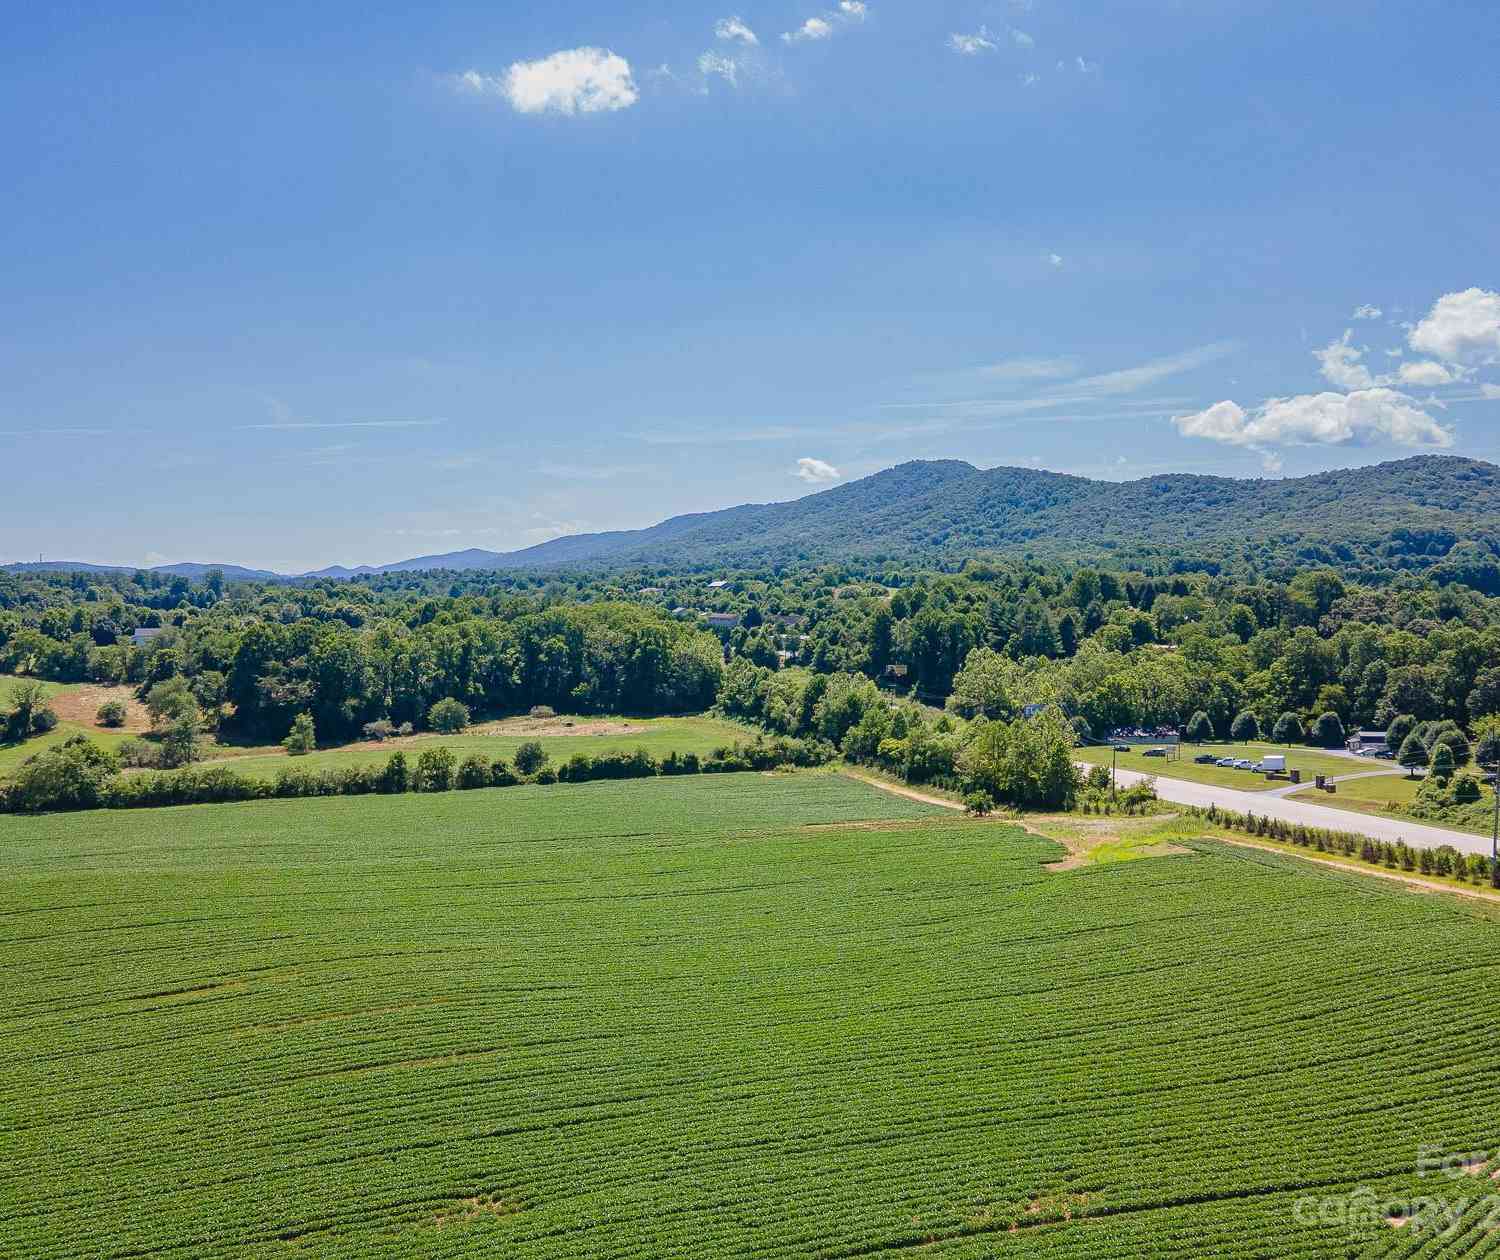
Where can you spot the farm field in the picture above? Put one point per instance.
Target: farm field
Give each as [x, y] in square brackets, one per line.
[768, 1015]
[561, 737]
[1310, 761]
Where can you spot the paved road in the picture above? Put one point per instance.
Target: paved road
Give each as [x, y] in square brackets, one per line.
[1266, 805]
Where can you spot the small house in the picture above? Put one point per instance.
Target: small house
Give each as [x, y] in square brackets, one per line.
[723, 620]
[140, 638]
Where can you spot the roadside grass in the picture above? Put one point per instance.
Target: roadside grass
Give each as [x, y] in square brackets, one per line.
[1310, 761]
[561, 737]
[1389, 797]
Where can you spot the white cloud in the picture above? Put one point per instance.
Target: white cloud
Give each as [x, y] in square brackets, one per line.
[1021, 39]
[1367, 312]
[972, 45]
[816, 471]
[1489, 391]
[1055, 259]
[1223, 422]
[727, 68]
[574, 81]
[1327, 419]
[1030, 80]
[1427, 372]
[813, 28]
[855, 10]
[1342, 366]
[1461, 328]
[734, 28]
[1085, 66]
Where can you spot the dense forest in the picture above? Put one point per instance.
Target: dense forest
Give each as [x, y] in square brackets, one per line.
[1111, 649]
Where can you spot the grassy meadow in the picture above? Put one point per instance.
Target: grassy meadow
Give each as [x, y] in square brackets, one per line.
[739, 1015]
[562, 737]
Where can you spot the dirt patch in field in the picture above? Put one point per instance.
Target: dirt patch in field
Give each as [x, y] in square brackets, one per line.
[466, 1210]
[80, 706]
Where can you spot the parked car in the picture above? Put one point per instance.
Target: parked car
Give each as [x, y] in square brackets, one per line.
[1385, 754]
[1226, 762]
[1122, 747]
[1244, 763]
[1155, 752]
[1206, 759]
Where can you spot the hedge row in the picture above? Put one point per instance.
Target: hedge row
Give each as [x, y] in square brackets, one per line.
[60, 783]
[1444, 860]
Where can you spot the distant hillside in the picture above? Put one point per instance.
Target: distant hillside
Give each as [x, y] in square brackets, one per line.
[1402, 514]
[1406, 514]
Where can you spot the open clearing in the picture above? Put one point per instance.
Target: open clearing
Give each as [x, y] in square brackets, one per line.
[1310, 761]
[560, 736]
[689, 1017]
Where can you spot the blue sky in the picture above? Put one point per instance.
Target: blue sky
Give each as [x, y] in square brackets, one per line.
[297, 285]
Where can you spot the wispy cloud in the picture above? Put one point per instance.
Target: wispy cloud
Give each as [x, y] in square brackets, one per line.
[1128, 380]
[291, 426]
[734, 29]
[1038, 369]
[813, 28]
[972, 45]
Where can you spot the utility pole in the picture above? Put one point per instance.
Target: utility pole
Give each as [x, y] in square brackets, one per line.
[1495, 835]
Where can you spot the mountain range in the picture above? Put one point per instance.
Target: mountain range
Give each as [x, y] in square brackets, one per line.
[1417, 508]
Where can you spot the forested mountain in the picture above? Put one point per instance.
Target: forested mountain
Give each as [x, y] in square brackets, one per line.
[1409, 513]
[1432, 511]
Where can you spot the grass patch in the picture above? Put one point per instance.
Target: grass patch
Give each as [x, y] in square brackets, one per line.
[704, 1018]
[1309, 761]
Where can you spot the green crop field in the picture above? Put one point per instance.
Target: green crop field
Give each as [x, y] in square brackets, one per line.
[1310, 761]
[658, 736]
[741, 1015]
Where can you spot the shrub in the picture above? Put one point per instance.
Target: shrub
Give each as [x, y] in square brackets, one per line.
[1442, 763]
[139, 754]
[531, 757]
[1466, 789]
[1200, 729]
[501, 775]
[394, 777]
[980, 804]
[435, 770]
[302, 738]
[111, 713]
[473, 773]
[73, 775]
[448, 716]
[405, 729]
[546, 775]
[379, 730]
[543, 711]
